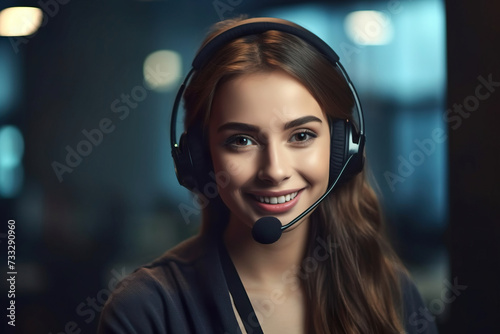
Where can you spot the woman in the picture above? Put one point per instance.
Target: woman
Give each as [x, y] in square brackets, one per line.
[262, 118]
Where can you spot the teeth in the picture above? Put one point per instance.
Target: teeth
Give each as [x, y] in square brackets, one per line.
[277, 200]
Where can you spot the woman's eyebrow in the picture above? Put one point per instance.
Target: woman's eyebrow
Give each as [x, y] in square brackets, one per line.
[244, 127]
[300, 121]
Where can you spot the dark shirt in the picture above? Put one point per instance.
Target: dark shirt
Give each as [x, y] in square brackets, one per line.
[185, 291]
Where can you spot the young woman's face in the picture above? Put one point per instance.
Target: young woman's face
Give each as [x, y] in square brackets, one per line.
[269, 136]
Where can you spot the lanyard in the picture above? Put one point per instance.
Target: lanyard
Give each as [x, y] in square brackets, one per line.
[240, 297]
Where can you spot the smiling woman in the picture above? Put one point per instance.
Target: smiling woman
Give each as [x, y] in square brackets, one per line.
[269, 106]
[291, 158]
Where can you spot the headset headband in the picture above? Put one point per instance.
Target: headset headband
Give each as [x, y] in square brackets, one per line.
[253, 27]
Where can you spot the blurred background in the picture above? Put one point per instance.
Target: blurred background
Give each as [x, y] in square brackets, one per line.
[86, 90]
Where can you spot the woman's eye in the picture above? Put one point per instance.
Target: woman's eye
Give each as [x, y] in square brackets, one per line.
[238, 141]
[302, 136]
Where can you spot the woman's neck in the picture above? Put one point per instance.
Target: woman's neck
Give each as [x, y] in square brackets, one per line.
[266, 266]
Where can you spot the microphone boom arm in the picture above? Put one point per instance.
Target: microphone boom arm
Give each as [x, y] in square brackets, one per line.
[312, 207]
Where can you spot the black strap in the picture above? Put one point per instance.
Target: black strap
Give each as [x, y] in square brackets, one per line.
[240, 297]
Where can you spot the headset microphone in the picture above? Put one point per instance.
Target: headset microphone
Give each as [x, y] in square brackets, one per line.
[268, 230]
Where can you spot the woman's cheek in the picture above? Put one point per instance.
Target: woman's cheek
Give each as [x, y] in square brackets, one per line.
[233, 167]
[317, 164]
[236, 166]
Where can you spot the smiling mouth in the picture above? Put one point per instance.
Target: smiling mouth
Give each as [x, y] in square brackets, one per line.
[277, 200]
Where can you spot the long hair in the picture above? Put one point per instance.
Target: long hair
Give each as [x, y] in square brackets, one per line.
[356, 289]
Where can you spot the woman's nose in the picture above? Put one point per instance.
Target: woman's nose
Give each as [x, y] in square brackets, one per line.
[274, 164]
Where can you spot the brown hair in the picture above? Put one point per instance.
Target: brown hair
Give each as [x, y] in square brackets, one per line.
[356, 289]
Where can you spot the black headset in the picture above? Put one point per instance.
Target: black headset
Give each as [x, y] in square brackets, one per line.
[193, 165]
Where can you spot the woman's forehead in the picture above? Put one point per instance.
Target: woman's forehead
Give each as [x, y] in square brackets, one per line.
[263, 97]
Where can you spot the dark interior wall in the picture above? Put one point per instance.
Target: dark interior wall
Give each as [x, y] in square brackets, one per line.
[473, 60]
[86, 55]
[474, 234]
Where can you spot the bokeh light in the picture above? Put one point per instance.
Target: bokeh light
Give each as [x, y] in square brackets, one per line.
[20, 21]
[11, 153]
[162, 70]
[369, 27]
[11, 146]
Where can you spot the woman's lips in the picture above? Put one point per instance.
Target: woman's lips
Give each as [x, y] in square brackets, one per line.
[276, 204]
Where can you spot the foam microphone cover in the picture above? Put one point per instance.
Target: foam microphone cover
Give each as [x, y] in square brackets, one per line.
[267, 230]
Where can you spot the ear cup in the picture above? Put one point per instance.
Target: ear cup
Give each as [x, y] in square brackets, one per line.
[183, 165]
[338, 149]
[192, 160]
[200, 158]
[356, 147]
[344, 143]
